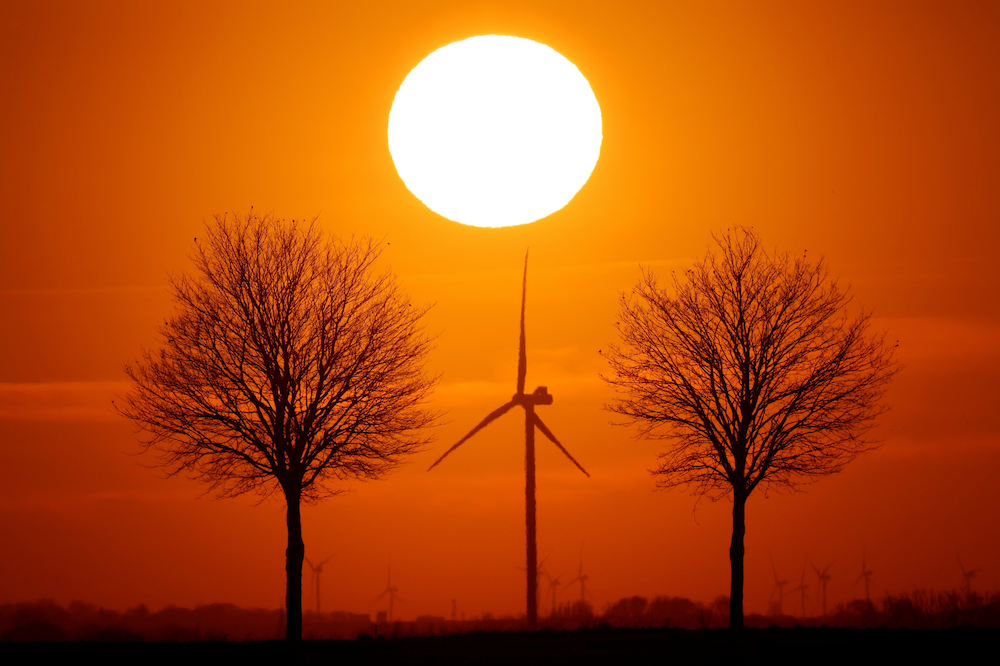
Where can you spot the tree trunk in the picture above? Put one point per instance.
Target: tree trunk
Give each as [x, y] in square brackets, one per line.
[736, 561]
[529, 516]
[294, 555]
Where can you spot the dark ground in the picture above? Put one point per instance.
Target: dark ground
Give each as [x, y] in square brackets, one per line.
[800, 646]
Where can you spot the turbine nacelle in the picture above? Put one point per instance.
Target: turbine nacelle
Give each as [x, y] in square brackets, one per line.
[540, 396]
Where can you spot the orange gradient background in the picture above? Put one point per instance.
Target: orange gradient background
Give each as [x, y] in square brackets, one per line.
[862, 132]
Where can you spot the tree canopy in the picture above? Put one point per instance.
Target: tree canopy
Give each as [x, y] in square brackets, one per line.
[289, 363]
[752, 372]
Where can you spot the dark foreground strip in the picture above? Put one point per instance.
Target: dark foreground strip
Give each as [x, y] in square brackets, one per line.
[800, 647]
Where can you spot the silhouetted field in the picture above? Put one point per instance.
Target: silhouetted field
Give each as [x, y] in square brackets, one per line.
[49, 622]
[606, 646]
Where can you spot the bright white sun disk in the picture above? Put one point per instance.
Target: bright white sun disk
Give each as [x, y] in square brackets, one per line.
[495, 131]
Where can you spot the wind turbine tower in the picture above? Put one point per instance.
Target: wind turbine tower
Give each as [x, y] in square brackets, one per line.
[801, 589]
[866, 573]
[824, 578]
[553, 588]
[391, 590]
[317, 570]
[582, 578]
[779, 587]
[967, 576]
[528, 401]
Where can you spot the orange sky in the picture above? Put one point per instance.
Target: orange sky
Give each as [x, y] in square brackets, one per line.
[863, 132]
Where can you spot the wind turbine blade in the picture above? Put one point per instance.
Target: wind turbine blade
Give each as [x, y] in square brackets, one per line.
[380, 596]
[326, 560]
[310, 564]
[548, 433]
[522, 358]
[493, 416]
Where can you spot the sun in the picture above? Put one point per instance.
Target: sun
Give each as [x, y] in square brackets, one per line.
[494, 131]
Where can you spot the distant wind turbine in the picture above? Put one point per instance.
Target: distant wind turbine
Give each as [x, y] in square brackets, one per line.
[801, 589]
[391, 590]
[824, 578]
[553, 588]
[317, 570]
[582, 578]
[543, 572]
[866, 573]
[779, 587]
[967, 576]
[528, 401]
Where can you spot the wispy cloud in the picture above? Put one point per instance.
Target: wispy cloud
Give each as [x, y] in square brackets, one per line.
[82, 291]
[60, 401]
[942, 338]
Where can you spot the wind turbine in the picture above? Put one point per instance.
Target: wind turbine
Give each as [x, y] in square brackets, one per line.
[801, 589]
[779, 586]
[391, 590]
[583, 578]
[824, 578]
[317, 569]
[528, 401]
[553, 588]
[866, 573]
[542, 572]
[967, 577]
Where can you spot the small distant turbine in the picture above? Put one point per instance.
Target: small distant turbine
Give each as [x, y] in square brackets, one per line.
[801, 589]
[582, 578]
[391, 590]
[317, 570]
[824, 578]
[866, 573]
[967, 576]
[553, 588]
[542, 572]
[779, 587]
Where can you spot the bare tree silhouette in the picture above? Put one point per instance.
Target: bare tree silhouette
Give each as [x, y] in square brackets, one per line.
[754, 373]
[540, 396]
[289, 365]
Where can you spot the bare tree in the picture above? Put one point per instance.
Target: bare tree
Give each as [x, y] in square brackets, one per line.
[289, 365]
[753, 372]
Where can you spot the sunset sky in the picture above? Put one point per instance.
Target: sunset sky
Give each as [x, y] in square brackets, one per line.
[866, 133]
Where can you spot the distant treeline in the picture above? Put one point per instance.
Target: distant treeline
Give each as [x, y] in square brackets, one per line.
[47, 621]
[915, 610]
